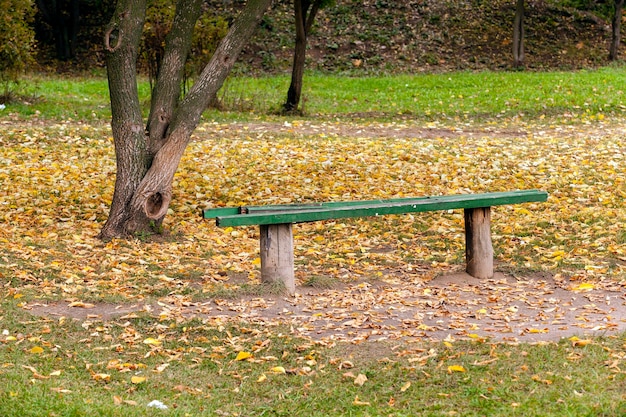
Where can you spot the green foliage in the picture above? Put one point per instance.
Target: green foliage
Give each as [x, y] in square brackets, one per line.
[603, 8]
[16, 38]
[209, 31]
[326, 3]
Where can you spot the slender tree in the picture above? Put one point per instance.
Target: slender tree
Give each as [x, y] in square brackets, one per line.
[616, 28]
[305, 12]
[148, 154]
[518, 35]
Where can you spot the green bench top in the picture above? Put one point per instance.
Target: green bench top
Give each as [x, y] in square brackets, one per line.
[310, 212]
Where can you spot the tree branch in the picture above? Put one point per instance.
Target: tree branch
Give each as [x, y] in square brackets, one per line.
[167, 89]
[215, 72]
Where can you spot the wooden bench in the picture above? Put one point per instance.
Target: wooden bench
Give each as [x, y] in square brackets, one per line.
[275, 221]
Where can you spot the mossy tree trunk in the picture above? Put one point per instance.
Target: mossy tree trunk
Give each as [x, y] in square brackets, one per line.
[616, 28]
[518, 35]
[148, 155]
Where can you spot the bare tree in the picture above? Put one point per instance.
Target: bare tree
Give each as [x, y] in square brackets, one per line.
[518, 35]
[148, 154]
[304, 12]
[616, 27]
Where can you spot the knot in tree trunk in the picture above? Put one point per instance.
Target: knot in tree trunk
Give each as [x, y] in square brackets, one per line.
[156, 205]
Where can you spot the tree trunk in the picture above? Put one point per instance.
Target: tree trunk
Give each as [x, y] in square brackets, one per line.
[147, 158]
[303, 23]
[518, 35]
[616, 30]
[122, 45]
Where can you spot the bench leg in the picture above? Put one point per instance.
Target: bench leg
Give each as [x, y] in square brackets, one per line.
[277, 255]
[478, 248]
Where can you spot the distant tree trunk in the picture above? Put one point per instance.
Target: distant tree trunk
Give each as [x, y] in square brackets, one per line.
[304, 19]
[616, 30]
[147, 157]
[64, 19]
[518, 35]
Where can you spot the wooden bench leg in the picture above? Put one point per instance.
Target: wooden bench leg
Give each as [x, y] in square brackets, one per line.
[478, 248]
[277, 255]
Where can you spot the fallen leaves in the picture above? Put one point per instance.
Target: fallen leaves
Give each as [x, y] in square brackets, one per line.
[278, 370]
[360, 380]
[36, 350]
[51, 218]
[581, 167]
[456, 368]
[135, 379]
[243, 356]
[152, 341]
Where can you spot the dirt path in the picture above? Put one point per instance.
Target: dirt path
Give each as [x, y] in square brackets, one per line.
[454, 306]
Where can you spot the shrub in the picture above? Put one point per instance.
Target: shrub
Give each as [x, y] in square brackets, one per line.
[17, 39]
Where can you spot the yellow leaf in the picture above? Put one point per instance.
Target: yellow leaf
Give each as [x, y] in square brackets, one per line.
[80, 304]
[359, 402]
[406, 386]
[161, 367]
[243, 356]
[101, 377]
[60, 390]
[278, 370]
[455, 368]
[36, 349]
[580, 342]
[585, 286]
[138, 379]
[360, 380]
[261, 378]
[257, 261]
[55, 373]
[152, 341]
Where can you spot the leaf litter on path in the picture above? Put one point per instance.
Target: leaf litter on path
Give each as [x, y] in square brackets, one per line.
[453, 306]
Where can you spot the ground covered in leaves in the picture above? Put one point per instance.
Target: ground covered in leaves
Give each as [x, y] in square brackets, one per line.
[562, 263]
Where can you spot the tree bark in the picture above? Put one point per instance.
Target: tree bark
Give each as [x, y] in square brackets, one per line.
[167, 89]
[303, 22]
[518, 35]
[616, 30]
[122, 44]
[148, 158]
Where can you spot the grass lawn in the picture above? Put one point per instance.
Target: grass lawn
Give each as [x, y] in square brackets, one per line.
[377, 137]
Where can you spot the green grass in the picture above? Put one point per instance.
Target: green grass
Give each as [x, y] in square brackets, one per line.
[79, 98]
[581, 95]
[62, 367]
[432, 96]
